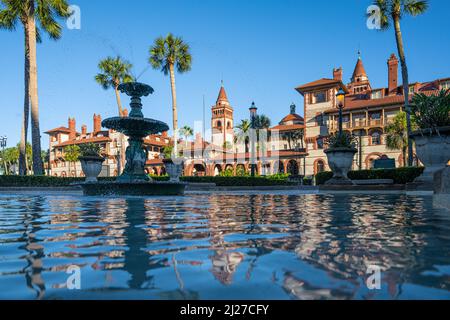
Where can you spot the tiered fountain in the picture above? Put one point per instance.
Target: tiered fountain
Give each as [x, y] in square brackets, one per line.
[134, 180]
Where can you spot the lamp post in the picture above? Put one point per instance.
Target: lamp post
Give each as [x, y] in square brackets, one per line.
[253, 109]
[340, 97]
[119, 157]
[3, 141]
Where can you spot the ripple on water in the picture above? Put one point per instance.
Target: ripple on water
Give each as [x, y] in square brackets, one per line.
[223, 246]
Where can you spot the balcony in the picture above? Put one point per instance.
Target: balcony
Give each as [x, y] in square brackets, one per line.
[358, 124]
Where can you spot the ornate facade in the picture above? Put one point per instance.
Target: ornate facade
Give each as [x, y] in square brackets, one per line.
[366, 113]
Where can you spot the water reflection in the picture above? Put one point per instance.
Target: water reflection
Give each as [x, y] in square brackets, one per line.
[222, 246]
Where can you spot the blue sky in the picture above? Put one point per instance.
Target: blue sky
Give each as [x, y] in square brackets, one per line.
[261, 48]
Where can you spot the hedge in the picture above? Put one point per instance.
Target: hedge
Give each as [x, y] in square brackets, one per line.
[399, 175]
[239, 181]
[46, 181]
[42, 181]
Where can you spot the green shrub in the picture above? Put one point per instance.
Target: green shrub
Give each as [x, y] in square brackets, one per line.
[42, 181]
[431, 112]
[237, 181]
[89, 150]
[341, 140]
[159, 178]
[399, 175]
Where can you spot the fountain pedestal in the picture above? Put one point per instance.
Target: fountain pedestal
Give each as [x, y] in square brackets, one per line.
[134, 180]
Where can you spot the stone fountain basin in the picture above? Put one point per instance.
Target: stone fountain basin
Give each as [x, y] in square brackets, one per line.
[134, 126]
[133, 188]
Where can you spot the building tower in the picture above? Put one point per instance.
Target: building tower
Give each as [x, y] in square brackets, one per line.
[222, 123]
[360, 83]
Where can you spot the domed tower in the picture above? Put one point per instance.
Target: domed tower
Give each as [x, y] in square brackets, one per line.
[222, 120]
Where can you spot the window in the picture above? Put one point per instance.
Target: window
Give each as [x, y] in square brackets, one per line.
[376, 138]
[219, 124]
[319, 143]
[445, 85]
[375, 116]
[319, 120]
[411, 89]
[319, 97]
[376, 94]
[320, 166]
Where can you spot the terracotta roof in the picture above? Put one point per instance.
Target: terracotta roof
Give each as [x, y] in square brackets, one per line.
[356, 102]
[152, 140]
[321, 83]
[288, 127]
[82, 141]
[59, 129]
[359, 69]
[222, 95]
[292, 117]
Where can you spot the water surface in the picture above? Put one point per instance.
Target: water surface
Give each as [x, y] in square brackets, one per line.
[219, 246]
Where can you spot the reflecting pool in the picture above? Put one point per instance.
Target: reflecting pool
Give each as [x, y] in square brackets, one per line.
[224, 246]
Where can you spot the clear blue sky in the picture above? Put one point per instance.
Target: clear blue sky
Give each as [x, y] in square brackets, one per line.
[261, 48]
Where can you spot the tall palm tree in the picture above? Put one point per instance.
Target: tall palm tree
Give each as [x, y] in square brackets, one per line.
[397, 135]
[36, 16]
[242, 134]
[187, 132]
[392, 11]
[113, 72]
[167, 54]
[71, 154]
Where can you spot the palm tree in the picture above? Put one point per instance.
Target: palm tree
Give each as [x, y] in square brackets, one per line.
[392, 11]
[293, 137]
[242, 133]
[71, 154]
[187, 132]
[36, 16]
[166, 54]
[113, 72]
[397, 135]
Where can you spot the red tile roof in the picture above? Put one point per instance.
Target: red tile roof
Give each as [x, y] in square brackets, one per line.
[359, 69]
[222, 95]
[292, 117]
[319, 83]
[82, 141]
[356, 102]
[288, 127]
[59, 129]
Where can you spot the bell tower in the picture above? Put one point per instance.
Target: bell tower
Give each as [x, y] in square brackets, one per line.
[222, 121]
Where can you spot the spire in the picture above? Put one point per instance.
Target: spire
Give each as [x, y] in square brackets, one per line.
[222, 95]
[359, 72]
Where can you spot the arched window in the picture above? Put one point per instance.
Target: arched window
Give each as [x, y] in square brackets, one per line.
[319, 166]
[219, 124]
[376, 138]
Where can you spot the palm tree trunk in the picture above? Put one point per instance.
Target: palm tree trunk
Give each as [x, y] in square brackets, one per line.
[26, 110]
[174, 109]
[404, 156]
[119, 103]
[401, 53]
[33, 85]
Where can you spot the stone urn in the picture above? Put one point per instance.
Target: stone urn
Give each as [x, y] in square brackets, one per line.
[92, 166]
[340, 161]
[433, 150]
[174, 170]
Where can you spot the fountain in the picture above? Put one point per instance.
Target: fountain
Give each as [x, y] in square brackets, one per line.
[134, 180]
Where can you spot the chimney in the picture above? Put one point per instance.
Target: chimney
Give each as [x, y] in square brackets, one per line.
[97, 123]
[72, 128]
[337, 74]
[392, 74]
[164, 134]
[83, 129]
[125, 113]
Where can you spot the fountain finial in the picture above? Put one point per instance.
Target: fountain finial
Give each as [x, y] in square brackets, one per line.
[136, 90]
